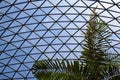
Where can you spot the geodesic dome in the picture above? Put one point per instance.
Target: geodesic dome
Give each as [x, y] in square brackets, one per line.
[33, 30]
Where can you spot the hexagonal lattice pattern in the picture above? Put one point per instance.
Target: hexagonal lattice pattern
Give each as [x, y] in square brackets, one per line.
[40, 29]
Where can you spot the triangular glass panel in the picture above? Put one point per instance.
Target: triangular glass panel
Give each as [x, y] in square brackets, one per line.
[49, 40]
[26, 44]
[46, 4]
[29, 6]
[72, 26]
[22, 14]
[50, 55]
[89, 2]
[7, 75]
[56, 26]
[116, 23]
[71, 47]
[57, 56]
[5, 18]
[33, 35]
[43, 57]
[64, 48]
[39, 18]
[15, 29]
[9, 47]
[17, 75]
[27, 49]
[114, 28]
[77, 54]
[22, 21]
[106, 5]
[71, 17]
[25, 35]
[79, 38]
[2, 47]
[20, 58]
[24, 29]
[63, 3]
[35, 50]
[14, 24]
[106, 13]
[6, 24]
[24, 73]
[49, 49]
[11, 52]
[56, 41]
[55, 17]
[72, 11]
[30, 11]
[14, 61]
[79, 9]
[32, 27]
[17, 44]
[39, 12]
[4, 55]
[2, 41]
[29, 65]
[31, 20]
[13, 9]
[8, 38]
[56, 47]
[63, 9]
[42, 48]
[40, 28]
[33, 41]
[71, 32]
[71, 40]
[41, 33]
[49, 34]
[47, 10]
[80, 3]
[23, 67]
[20, 52]
[64, 54]
[36, 56]
[28, 59]
[3, 10]
[63, 18]
[7, 33]
[38, 3]
[64, 39]
[47, 25]
[47, 19]
[21, 6]
[115, 14]
[64, 33]
[71, 56]
[55, 11]
[8, 69]
[55, 2]
[78, 48]
[64, 24]
[14, 15]
[5, 61]
[79, 18]
[72, 2]
[56, 32]
[42, 42]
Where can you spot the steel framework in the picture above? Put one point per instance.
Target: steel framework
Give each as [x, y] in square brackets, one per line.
[33, 30]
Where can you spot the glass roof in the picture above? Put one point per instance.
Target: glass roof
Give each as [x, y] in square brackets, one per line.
[33, 30]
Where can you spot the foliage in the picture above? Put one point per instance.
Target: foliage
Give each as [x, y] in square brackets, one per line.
[95, 62]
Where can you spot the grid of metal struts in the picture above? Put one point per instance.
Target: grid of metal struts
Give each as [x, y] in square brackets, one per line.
[33, 30]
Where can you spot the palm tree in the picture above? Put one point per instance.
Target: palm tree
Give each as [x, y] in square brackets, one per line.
[95, 63]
